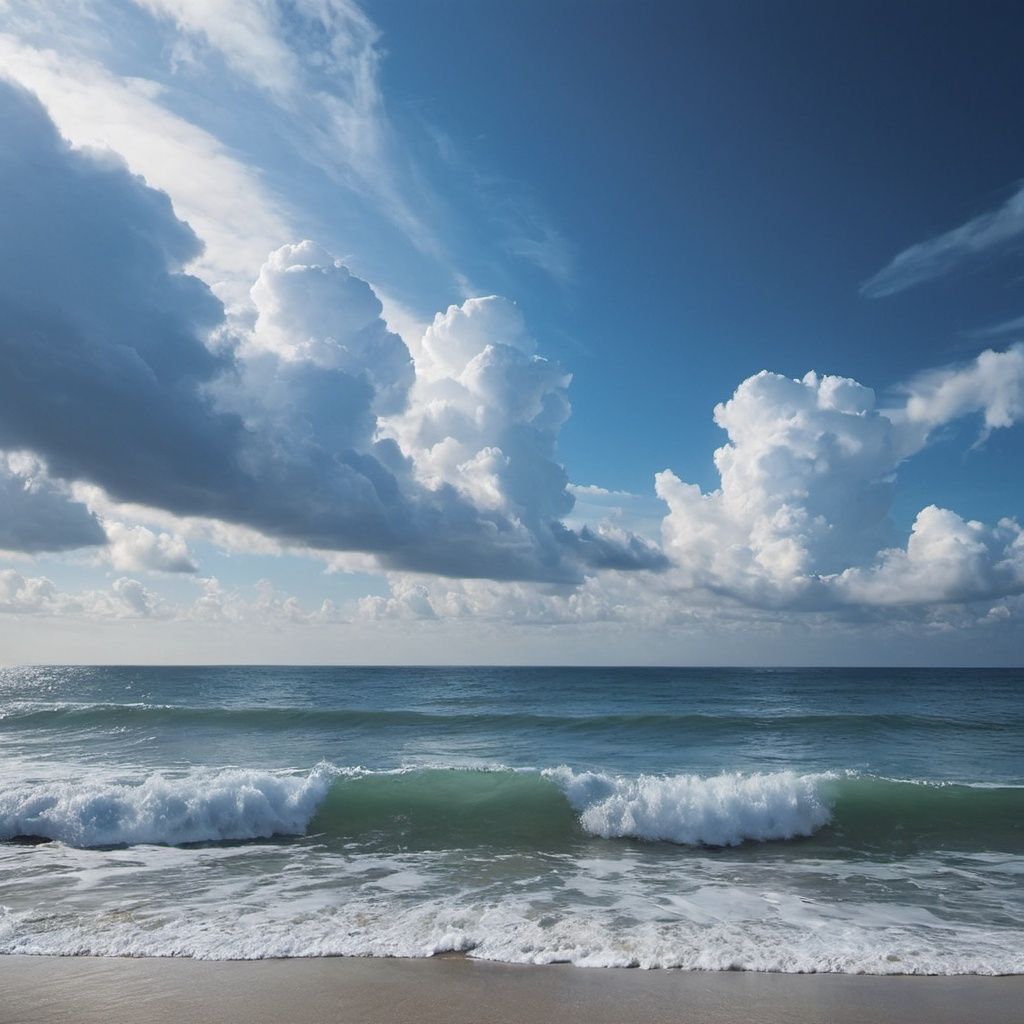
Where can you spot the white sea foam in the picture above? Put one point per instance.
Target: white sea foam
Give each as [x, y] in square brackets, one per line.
[513, 931]
[634, 906]
[204, 805]
[721, 810]
[233, 804]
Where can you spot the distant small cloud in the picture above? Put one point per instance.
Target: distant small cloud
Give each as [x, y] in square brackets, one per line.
[135, 548]
[593, 491]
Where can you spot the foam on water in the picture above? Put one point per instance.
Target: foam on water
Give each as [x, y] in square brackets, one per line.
[719, 927]
[500, 807]
[723, 810]
[202, 806]
[233, 804]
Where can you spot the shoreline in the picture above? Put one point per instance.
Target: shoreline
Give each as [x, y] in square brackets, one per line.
[454, 988]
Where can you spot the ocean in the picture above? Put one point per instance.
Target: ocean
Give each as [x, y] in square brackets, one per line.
[728, 819]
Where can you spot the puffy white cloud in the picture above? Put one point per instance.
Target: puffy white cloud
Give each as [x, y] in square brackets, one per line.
[806, 482]
[310, 308]
[26, 594]
[459, 335]
[483, 418]
[992, 385]
[800, 522]
[419, 598]
[229, 605]
[801, 518]
[947, 559]
[485, 412]
[408, 599]
[136, 548]
[126, 598]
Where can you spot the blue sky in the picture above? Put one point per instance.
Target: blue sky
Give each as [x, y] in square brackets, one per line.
[661, 200]
[730, 174]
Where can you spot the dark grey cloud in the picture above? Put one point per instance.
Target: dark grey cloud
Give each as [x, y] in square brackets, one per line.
[37, 516]
[117, 368]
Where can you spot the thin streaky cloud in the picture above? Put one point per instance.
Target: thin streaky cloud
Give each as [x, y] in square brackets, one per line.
[325, 76]
[1016, 325]
[944, 253]
[239, 219]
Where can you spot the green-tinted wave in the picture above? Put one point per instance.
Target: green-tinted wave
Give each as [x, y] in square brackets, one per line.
[441, 808]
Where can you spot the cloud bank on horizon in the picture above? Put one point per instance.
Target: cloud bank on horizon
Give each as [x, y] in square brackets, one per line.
[161, 388]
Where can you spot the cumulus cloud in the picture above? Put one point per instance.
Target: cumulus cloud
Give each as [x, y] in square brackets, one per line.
[800, 522]
[801, 517]
[483, 418]
[946, 559]
[137, 548]
[806, 483]
[218, 603]
[407, 599]
[311, 309]
[415, 598]
[485, 411]
[118, 368]
[939, 256]
[126, 598]
[992, 385]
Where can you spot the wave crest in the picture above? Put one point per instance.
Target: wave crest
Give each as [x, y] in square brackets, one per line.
[203, 806]
[438, 808]
[723, 810]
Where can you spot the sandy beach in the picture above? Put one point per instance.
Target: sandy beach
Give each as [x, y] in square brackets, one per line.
[451, 990]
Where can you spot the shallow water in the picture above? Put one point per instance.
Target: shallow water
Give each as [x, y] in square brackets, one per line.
[830, 820]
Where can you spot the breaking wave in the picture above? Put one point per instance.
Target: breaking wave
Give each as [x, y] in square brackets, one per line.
[203, 806]
[438, 808]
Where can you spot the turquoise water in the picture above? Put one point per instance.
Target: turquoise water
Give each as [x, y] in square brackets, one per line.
[839, 820]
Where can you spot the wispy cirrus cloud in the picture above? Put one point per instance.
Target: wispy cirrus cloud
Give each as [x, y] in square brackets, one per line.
[944, 253]
[1015, 325]
[170, 85]
[227, 203]
[318, 62]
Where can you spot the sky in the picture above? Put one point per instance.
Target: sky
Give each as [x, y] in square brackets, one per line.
[462, 332]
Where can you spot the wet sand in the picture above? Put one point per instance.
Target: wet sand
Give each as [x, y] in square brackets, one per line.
[452, 990]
